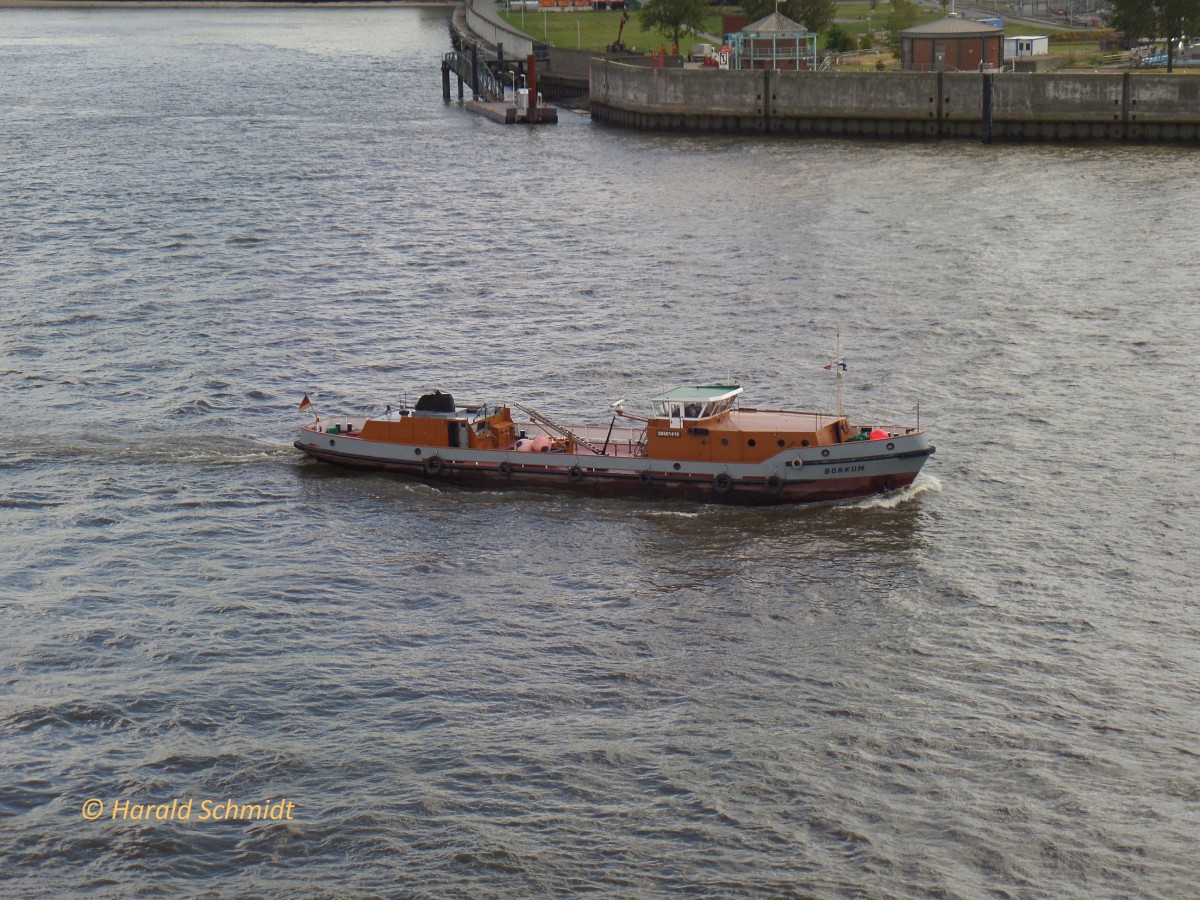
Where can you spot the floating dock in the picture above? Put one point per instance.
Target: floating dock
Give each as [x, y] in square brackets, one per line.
[488, 94]
[508, 114]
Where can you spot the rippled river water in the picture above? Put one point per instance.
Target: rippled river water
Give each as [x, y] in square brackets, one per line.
[984, 687]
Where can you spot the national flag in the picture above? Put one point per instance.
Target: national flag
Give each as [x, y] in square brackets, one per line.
[306, 403]
[840, 361]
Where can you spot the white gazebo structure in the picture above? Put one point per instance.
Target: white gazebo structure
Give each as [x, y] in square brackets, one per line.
[774, 42]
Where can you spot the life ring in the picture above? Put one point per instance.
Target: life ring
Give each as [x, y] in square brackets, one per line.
[646, 478]
[722, 483]
[774, 484]
[505, 468]
[575, 474]
[434, 465]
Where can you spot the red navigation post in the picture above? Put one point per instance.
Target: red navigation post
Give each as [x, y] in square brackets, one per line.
[533, 94]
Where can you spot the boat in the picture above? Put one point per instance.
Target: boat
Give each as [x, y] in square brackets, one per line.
[698, 443]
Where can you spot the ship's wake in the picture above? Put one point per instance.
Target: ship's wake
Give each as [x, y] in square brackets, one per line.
[892, 499]
[150, 449]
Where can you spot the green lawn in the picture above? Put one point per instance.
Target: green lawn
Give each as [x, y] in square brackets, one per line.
[596, 29]
[853, 18]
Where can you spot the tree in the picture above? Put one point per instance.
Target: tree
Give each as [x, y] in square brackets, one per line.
[1167, 19]
[673, 18]
[815, 15]
[839, 41]
[903, 15]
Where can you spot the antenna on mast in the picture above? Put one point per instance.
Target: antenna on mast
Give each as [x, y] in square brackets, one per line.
[838, 366]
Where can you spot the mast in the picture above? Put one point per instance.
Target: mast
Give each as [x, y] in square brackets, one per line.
[838, 367]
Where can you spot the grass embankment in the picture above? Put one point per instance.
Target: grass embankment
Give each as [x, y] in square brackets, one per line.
[1076, 48]
[587, 29]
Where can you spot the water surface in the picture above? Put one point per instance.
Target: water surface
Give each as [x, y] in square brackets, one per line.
[984, 686]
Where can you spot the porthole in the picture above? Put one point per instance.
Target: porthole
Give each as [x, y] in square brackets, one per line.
[824, 452]
[332, 442]
[780, 442]
[804, 443]
[750, 443]
[417, 451]
[677, 467]
[724, 442]
[891, 446]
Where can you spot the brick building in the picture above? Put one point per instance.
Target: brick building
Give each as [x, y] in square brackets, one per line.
[951, 45]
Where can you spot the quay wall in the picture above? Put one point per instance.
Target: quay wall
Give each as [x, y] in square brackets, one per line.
[484, 20]
[1006, 106]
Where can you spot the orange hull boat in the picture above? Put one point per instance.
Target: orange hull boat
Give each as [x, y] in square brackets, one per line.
[699, 444]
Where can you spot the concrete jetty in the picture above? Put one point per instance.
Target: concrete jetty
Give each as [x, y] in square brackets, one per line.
[1051, 106]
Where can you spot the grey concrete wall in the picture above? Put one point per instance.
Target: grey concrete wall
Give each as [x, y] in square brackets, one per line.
[1034, 63]
[571, 63]
[1164, 98]
[485, 21]
[1058, 96]
[1025, 106]
[674, 91]
[908, 95]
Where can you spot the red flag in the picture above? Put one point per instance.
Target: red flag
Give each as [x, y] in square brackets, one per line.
[305, 404]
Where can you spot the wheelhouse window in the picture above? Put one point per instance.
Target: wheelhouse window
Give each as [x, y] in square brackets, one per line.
[695, 403]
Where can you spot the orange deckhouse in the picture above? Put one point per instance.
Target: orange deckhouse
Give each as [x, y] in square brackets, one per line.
[701, 423]
[698, 443]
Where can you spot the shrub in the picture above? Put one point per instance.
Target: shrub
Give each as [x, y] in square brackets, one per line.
[838, 40]
[1079, 37]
